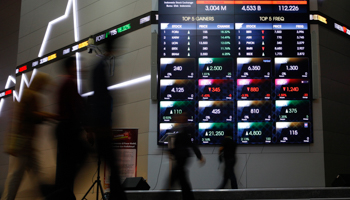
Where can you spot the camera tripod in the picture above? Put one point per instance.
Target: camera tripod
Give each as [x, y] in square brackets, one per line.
[98, 182]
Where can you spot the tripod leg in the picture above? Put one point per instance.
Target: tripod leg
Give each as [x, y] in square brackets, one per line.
[89, 190]
[100, 187]
[98, 183]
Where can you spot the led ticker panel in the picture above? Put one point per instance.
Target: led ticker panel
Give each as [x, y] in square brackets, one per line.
[6, 93]
[99, 38]
[236, 67]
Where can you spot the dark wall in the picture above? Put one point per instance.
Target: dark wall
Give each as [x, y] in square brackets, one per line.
[334, 51]
[9, 31]
[337, 9]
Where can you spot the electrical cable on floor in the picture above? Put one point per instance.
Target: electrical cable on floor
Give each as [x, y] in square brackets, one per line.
[246, 163]
[244, 168]
[262, 149]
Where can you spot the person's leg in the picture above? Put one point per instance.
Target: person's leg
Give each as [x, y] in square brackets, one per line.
[226, 177]
[33, 165]
[71, 153]
[62, 158]
[186, 187]
[36, 175]
[64, 167]
[233, 181]
[231, 174]
[176, 172]
[170, 182]
[14, 178]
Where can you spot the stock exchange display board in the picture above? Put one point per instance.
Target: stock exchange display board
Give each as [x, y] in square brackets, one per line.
[235, 68]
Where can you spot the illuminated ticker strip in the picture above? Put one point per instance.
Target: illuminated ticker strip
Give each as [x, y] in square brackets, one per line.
[254, 2]
[123, 84]
[143, 20]
[5, 93]
[330, 23]
[319, 18]
[81, 45]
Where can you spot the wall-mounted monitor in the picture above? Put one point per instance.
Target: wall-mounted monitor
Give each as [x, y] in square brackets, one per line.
[236, 68]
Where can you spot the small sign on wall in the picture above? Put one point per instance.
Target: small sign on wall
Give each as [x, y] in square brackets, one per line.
[125, 147]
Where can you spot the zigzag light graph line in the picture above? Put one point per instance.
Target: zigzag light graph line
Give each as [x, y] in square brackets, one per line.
[9, 80]
[24, 79]
[17, 96]
[76, 34]
[59, 19]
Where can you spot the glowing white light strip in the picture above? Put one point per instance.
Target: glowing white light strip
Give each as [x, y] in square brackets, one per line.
[87, 94]
[24, 80]
[51, 23]
[10, 78]
[76, 34]
[75, 18]
[78, 72]
[1, 104]
[76, 38]
[123, 84]
[8, 82]
[131, 82]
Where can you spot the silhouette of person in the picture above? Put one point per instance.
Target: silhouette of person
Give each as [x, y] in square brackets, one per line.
[72, 149]
[181, 153]
[228, 151]
[102, 104]
[27, 116]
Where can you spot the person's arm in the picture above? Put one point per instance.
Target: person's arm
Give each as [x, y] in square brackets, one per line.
[197, 152]
[42, 116]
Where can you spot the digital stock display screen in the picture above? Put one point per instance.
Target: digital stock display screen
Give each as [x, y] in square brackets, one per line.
[239, 68]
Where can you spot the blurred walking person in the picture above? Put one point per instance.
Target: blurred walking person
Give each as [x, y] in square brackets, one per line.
[27, 117]
[227, 151]
[102, 106]
[181, 153]
[72, 148]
